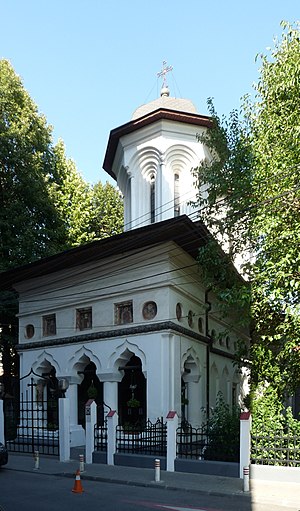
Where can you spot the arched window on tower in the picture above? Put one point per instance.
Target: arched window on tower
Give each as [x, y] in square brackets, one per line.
[152, 198]
[176, 195]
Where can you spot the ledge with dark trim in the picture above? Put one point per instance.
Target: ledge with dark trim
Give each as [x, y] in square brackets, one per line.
[216, 351]
[141, 329]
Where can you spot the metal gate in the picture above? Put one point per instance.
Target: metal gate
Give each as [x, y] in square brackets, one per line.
[31, 423]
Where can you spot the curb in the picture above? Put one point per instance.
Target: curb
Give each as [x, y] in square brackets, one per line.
[142, 484]
[157, 485]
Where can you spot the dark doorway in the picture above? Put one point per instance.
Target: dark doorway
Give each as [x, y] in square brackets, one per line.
[52, 400]
[90, 388]
[132, 394]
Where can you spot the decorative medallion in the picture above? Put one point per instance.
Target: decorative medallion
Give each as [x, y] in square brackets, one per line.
[149, 310]
[178, 311]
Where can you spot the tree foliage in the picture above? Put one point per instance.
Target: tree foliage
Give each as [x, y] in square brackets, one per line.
[87, 212]
[249, 196]
[30, 227]
[45, 204]
[107, 211]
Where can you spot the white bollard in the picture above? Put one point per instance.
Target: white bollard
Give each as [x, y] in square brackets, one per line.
[157, 470]
[246, 478]
[36, 457]
[81, 462]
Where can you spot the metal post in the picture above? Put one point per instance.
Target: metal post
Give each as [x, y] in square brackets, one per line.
[246, 478]
[157, 470]
[81, 462]
[36, 457]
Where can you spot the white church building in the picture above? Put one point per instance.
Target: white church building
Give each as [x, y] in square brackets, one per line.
[127, 319]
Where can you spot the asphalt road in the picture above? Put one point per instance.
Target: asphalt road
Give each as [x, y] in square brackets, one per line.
[23, 491]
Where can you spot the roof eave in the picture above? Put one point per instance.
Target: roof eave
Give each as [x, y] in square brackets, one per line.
[156, 115]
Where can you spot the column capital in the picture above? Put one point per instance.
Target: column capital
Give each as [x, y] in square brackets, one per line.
[110, 377]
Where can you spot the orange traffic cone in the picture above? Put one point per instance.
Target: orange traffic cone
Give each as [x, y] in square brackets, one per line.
[77, 486]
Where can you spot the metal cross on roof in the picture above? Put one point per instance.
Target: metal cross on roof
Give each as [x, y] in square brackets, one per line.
[166, 69]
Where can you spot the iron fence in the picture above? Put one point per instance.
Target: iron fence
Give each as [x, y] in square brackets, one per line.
[282, 449]
[148, 438]
[27, 427]
[205, 444]
[100, 436]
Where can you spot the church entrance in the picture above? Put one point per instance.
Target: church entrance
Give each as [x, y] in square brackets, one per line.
[132, 395]
[90, 388]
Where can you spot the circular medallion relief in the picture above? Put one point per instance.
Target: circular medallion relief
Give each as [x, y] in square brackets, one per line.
[178, 311]
[29, 331]
[149, 310]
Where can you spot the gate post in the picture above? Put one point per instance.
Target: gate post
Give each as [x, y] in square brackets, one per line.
[64, 429]
[90, 422]
[245, 441]
[2, 439]
[172, 425]
[112, 422]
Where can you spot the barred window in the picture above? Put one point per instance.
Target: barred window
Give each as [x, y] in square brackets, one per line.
[84, 318]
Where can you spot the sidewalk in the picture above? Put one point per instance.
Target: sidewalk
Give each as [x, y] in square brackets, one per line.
[262, 492]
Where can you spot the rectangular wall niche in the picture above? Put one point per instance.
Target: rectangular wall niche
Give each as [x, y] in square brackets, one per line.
[49, 325]
[84, 318]
[123, 313]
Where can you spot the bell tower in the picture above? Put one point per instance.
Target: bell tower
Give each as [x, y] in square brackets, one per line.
[151, 158]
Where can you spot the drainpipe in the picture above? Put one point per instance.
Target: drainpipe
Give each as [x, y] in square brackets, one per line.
[207, 311]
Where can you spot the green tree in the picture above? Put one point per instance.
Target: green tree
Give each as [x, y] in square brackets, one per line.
[45, 204]
[30, 226]
[72, 198]
[107, 211]
[276, 224]
[252, 204]
[87, 212]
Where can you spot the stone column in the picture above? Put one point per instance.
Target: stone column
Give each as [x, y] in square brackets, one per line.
[110, 389]
[194, 404]
[172, 425]
[77, 431]
[245, 441]
[90, 422]
[110, 395]
[64, 429]
[112, 422]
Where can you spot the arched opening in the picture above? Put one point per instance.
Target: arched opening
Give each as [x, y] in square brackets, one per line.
[53, 394]
[176, 195]
[190, 391]
[132, 394]
[90, 388]
[184, 400]
[152, 198]
[47, 394]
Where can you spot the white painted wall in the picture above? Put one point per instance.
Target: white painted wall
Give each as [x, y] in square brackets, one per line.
[155, 275]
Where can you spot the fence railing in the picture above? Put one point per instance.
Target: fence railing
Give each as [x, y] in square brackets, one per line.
[28, 429]
[205, 444]
[150, 438]
[282, 449]
[100, 437]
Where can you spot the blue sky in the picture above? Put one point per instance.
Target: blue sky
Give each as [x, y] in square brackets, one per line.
[88, 64]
